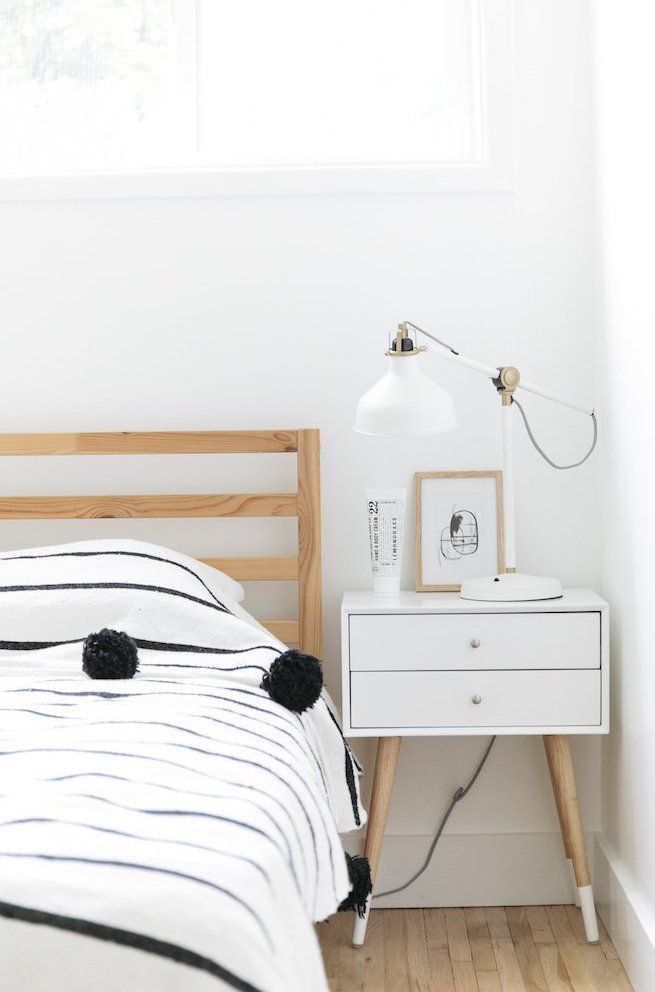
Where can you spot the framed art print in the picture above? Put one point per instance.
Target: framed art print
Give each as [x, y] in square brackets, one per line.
[459, 528]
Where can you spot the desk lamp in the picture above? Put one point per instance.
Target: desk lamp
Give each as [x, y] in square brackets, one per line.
[406, 403]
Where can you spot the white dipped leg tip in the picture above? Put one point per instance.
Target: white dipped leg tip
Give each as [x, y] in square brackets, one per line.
[359, 929]
[588, 909]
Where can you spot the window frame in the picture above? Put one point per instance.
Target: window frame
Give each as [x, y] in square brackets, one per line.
[493, 172]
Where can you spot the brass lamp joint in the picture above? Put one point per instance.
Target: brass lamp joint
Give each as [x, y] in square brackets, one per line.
[507, 382]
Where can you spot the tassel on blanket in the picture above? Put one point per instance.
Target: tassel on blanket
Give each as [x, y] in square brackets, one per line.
[359, 872]
[110, 654]
[294, 680]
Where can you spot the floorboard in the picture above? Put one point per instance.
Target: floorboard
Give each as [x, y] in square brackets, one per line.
[496, 949]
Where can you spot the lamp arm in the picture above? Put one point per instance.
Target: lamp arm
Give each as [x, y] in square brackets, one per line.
[446, 351]
[506, 381]
[490, 371]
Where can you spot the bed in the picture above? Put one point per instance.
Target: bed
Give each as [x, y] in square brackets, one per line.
[179, 829]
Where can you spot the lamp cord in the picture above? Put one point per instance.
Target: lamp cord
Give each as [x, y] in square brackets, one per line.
[457, 798]
[443, 344]
[541, 451]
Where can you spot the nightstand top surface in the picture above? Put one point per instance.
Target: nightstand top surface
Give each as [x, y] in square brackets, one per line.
[451, 602]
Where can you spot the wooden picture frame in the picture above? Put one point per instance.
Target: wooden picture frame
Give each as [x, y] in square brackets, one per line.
[467, 540]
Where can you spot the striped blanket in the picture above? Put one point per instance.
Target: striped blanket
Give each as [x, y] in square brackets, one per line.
[175, 831]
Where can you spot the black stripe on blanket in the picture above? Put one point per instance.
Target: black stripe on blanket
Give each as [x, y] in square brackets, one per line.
[151, 646]
[126, 938]
[110, 863]
[142, 587]
[350, 775]
[28, 820]
[126, 554]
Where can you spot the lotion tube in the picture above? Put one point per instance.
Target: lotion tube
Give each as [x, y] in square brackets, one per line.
[386, 517]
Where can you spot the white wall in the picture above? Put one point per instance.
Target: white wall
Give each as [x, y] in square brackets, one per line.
[625, 81]
[274, 312]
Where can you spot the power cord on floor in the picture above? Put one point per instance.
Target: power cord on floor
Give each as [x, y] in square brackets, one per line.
[457, 798]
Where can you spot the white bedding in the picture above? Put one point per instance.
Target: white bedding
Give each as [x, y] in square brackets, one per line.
[176, 831]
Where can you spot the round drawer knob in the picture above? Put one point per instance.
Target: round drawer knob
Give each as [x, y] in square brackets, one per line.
[476, 699]
[475, 643]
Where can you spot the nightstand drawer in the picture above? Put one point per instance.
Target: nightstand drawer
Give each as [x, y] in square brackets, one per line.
[462, 641]
[446, 699]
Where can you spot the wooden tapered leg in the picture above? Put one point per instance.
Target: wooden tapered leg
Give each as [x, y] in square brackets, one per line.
[557, 796]
[562, 773]
[385, 771]
[562, 824]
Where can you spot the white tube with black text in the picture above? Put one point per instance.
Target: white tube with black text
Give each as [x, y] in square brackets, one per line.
[386, 518]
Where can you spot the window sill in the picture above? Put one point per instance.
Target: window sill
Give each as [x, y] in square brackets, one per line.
[300, 181]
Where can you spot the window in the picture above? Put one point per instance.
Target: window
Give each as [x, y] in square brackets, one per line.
[349, 82]
[305, 94]
[88, 84]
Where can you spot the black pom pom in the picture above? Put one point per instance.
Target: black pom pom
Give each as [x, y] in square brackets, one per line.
[359, 873]
[109, 654]
[294, 680]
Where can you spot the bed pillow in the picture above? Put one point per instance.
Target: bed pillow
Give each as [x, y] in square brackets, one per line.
[215, 579]
[63, 592]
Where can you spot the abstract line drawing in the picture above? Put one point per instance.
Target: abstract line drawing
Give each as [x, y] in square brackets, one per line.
[459, 532]
[461, 537]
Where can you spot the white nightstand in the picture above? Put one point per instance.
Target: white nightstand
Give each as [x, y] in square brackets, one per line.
[432, 664]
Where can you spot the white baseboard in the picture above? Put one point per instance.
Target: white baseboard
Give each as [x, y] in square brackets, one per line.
[629, 920]
[475, 870]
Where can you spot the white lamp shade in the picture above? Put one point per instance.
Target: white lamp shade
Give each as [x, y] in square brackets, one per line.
[405, 403]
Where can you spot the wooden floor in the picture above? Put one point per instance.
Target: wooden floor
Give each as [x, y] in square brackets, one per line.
[518, 949]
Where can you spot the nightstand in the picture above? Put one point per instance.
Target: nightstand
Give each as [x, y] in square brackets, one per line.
[432, 664]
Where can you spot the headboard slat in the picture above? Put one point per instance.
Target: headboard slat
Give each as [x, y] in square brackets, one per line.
[256, 569]
[182, 505]
[285, 630]
[149, 443]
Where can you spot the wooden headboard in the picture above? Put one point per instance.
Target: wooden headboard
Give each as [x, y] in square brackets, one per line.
[305, 567]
